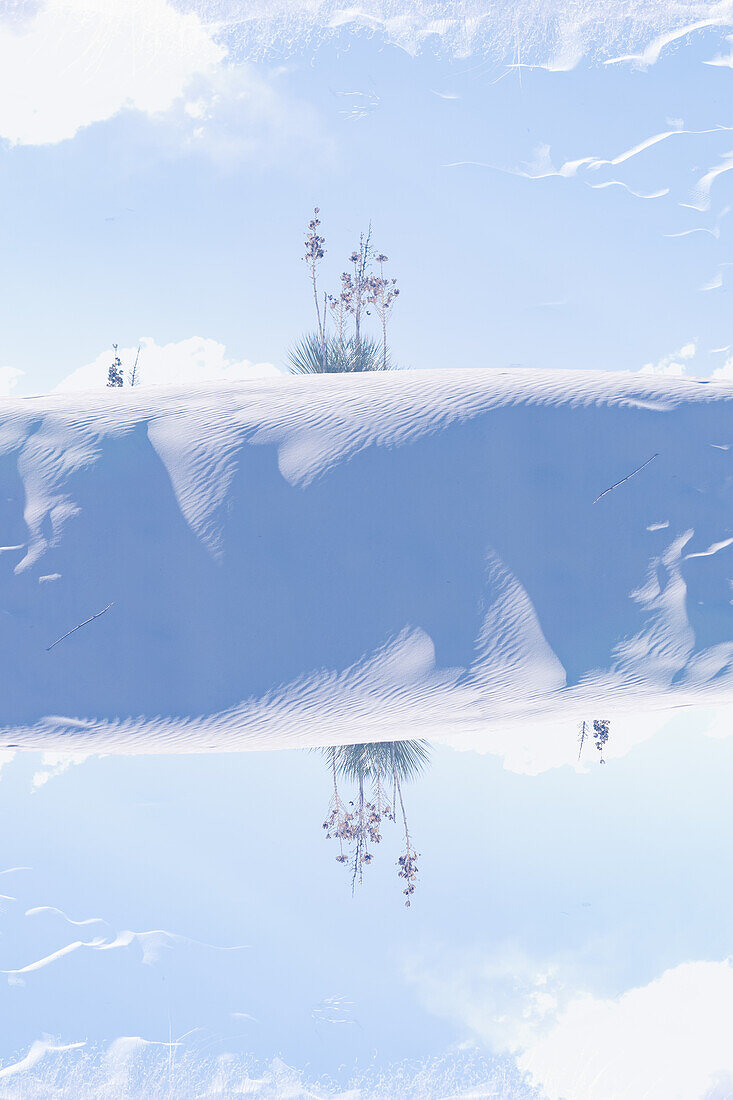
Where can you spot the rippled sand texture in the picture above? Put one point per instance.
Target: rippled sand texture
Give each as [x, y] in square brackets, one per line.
[331, 559]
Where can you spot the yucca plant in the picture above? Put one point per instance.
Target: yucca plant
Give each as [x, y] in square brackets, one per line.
[346, 352]
[312, 356]
[358, 822]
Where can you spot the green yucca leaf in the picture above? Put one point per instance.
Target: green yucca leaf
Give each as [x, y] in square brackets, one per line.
[408, 758]
[345, 357]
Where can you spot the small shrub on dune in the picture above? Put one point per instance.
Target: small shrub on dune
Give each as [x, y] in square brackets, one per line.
[116, 373]
[601, 731]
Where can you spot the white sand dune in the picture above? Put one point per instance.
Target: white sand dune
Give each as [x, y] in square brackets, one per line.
[317, 560]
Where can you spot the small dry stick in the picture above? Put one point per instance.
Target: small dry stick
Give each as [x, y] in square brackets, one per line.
[66, 635]
[581, 739]
[623, 479]
[133, 376]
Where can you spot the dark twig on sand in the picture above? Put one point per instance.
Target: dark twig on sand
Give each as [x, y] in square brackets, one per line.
[623, 479]
[68, 632]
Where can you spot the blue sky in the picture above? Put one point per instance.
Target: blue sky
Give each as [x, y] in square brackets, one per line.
[563, 885]
[179, 213]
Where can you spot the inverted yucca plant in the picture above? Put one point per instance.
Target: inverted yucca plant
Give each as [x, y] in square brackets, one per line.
[407, 758]
[381, 765]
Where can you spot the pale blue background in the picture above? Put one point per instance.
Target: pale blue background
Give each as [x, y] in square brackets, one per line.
[621, 873]
[122, 232]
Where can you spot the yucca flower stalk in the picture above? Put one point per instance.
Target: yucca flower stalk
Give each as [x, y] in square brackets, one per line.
[383, 294]
[341, 306]
[407, 863]
[314, 253]
[360, 260]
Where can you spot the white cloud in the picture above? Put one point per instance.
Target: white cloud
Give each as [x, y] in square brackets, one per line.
[504, 999]
[238, 112]
[678, 364]
[725, 372]
[8, 380]
[81, 61]
[55, 763]
[6, 755]
[723, 60]
[543, 744]
[185, 362]
[66, 64]
[673, 365]
[668, 1040]
[552, 34]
